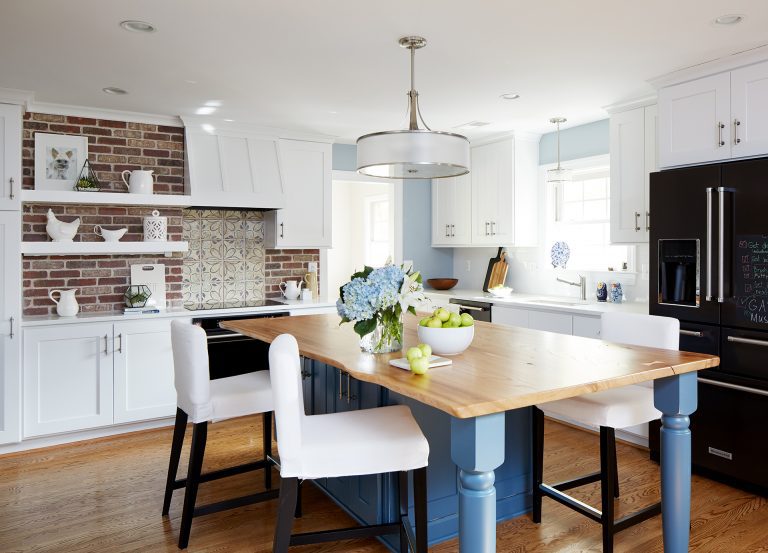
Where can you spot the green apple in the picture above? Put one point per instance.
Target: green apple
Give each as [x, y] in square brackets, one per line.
[424, 321]
[420, 365]
[413, 353]
[434, 322]
[467, 320]
[454, 321]
[442, 314]
[426, 350]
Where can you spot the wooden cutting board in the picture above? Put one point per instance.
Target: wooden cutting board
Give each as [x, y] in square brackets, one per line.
[497, 270]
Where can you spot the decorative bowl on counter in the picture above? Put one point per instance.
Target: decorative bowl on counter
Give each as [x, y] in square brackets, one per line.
[500, 291]
[447, 341]
[442, 283]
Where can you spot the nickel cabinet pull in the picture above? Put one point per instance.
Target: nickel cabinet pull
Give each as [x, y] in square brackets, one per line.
[453, 228]
[120, 346]
[750, 341]
[282, 229]
[637, 221]
[11, 334]
[736, 125]
[720, 141]
[447, 234]
[341, 395]
[11, 181]
[647, 221]
[106, 344]
[694, 333]
[746, 389]
[493, 228]
[486, 228]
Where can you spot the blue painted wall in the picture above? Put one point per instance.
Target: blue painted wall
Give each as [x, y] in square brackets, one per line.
[582, 141]
[417, 219]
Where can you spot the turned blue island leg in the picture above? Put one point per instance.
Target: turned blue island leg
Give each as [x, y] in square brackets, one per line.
[675, 397]
[477, 448]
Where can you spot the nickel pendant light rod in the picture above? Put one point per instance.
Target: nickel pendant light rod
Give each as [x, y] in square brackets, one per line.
[558, 174]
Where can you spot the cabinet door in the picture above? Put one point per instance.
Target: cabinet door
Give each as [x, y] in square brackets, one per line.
[493, 193]
[512, 316]
[143, 370]
[306, 219]
[443, 192]
[461, 231]
[10, 333]
[67, 378]
[588, 327]
[551, 322]
[651, 161]
[628, 178]
[10, 157]
[749, 109]
[694, 121]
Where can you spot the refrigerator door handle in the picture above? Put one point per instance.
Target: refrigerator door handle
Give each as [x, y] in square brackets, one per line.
[733, 386]
[750, 341]
[721, 191]
[709, 244]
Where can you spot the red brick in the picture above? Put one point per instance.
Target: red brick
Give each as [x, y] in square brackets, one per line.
[156, 153]
[114, 141]
[94, 149]
[36, 126]
[48, 283]
[81, 282]
[33, 311]
[113, 263]
[69, 129]
[111, 280]
[172, 130]
[112, 211]
[156, 136]
[81, 120]
[64, 274]
[48, 117]
[97, 131]
[112, 124]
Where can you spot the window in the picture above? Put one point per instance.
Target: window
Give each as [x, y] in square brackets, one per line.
[581, 218]
[377, 245]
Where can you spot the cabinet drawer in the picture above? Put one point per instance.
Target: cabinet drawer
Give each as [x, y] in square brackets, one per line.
[511, 316]
[588, 327]
[551, 322]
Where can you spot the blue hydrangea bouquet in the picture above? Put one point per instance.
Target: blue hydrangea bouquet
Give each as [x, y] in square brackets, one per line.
[375, 300]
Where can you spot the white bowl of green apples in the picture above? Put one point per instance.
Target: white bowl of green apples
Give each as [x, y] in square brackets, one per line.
[446, 332]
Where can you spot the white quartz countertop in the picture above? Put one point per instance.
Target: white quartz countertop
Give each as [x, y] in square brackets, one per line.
[544, 303]
[287, 305]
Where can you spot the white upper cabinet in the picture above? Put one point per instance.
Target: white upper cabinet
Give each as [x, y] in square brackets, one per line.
[496, 204]
[10, 157]
[233, 169]
[694, 121]
[305, 222]
[10, 331]
[451, 211]
[749, 110]
[633, 158]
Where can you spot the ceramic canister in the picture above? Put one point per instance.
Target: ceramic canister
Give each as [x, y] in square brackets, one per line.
[155, 228]
[616, 292]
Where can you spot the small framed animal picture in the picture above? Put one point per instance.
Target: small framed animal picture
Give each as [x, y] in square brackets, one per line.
[58, 160]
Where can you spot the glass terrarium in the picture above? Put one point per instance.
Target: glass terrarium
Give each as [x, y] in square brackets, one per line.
[137, 296]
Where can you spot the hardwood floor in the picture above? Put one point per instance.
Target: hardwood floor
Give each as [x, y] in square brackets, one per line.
[106, 495]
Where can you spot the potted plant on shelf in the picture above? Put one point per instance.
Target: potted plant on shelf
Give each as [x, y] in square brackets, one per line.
[375, 300]
[87, 180]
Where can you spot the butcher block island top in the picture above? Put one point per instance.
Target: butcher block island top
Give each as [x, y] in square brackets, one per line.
[504, 368]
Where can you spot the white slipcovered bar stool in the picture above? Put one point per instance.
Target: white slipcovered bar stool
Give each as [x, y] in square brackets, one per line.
[200, 400]
[369, 441]
[608, 409]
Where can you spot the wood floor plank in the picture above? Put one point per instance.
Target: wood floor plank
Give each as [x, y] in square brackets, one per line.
[105, 496]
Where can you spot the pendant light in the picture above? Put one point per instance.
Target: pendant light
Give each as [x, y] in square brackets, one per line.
[558, 174]
[413, 153]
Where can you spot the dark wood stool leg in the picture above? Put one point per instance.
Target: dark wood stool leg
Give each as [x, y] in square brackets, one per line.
[199, 437]
[173, 465]
[266, 423]
[420, 507]
[298, 513]
[607, 478]
[615, 464]
[402, 497]
[537, 425]
[285, 512]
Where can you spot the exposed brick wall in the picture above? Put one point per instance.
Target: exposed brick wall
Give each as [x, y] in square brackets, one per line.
[113, 147]
[282, 264]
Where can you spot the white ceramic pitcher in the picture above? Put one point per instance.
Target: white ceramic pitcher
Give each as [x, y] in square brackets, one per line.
[291, 289]
[67, 305]
[139, 182]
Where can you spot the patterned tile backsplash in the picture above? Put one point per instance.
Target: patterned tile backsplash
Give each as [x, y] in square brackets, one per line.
[225, 261]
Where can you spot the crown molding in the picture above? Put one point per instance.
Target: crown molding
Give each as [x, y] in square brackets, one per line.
[710, 67]
[16, 96]
[627, 105]
[102, 113]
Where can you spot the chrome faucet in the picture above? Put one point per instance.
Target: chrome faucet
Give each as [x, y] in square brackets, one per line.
[582, 284]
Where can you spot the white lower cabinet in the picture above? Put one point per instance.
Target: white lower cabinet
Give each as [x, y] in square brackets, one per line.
[587, 327]
[80, 376]
[551, 321]
[511, 316]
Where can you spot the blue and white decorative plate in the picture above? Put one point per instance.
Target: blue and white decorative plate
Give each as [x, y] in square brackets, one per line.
[560, 254]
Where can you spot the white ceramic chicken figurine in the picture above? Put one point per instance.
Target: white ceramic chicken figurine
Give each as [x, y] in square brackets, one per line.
[60, 231]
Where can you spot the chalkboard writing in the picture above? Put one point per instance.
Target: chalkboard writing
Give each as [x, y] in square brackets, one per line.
[752, 277]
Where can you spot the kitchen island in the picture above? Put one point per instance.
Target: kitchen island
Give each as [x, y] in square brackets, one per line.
[503, 373]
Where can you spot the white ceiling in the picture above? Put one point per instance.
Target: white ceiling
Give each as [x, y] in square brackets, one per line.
[334, 67]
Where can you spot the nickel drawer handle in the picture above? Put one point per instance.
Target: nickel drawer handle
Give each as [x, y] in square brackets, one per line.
[750, 341]
[470, 307]
[720, 141]
[734, 386]
[736, 125]
[637, 221]
[694, 333]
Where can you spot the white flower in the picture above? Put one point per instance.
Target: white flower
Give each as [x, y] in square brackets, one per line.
[411, 292]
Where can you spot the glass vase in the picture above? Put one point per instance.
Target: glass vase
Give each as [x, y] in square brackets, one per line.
[385, 338]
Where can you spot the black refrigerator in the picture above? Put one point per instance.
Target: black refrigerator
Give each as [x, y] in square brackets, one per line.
[709, 269]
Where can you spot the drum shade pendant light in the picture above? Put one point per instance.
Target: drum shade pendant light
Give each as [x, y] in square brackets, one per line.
[558, 174]
[413, 153]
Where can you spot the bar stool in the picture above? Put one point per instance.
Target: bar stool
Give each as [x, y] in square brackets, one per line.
[608, 409]
[201, 400]
[369, 441]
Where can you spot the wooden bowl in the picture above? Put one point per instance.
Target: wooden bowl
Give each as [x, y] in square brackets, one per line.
[442, 283]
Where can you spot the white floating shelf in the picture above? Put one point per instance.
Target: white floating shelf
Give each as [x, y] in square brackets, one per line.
[102, 248]
[105, 198]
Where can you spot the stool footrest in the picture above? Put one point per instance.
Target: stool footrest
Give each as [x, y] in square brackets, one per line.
[635, 518]
[230, 471]
[234, 503]
[576, 482]
[345, 534]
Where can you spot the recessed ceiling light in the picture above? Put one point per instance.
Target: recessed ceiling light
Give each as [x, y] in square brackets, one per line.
[729, 19]
[210, 129]
[472, 125]
[114, 90]
[205, 110]
[137, 26]
[229, 120]
[510, 96]
[190, 81]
